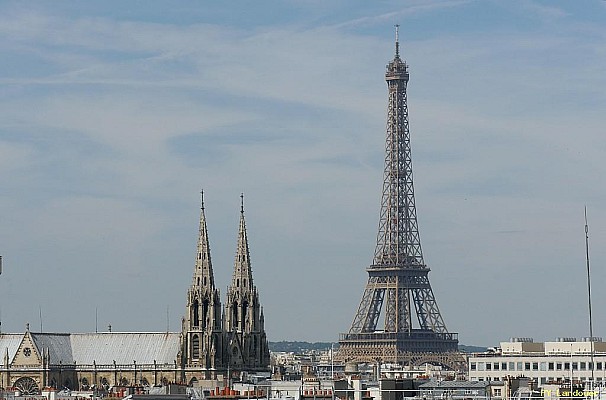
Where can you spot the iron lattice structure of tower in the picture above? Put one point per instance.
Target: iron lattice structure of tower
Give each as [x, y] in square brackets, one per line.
[398, 277]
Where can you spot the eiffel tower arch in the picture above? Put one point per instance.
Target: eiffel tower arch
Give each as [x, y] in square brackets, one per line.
[398, 283]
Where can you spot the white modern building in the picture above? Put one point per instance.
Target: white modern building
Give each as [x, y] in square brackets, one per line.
[563, 360]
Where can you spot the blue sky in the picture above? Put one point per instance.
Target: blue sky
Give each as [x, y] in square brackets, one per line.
[114, 115]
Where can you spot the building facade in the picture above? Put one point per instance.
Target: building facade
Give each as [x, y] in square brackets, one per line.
[214, 344]
[82, 361]
[563, 360]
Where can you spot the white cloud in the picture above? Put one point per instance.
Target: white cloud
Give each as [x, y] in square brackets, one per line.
[111, 126]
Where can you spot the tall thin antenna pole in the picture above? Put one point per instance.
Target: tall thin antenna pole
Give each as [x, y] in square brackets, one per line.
[167, 319]
[40, 312]
[96, 320]
[589, 290]
[397, 41]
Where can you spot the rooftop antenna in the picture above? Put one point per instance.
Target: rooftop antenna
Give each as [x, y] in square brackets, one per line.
[397, 41]
[96, 320]
[589, 292]
[40, 313]
[167, 319]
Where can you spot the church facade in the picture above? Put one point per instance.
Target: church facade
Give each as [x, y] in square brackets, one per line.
[230, 338]
[215, 344]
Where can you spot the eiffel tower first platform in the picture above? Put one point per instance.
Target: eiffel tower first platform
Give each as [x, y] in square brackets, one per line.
[398, 277]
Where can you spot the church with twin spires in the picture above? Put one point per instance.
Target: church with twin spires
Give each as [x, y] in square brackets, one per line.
[216, 343]
[232, 337]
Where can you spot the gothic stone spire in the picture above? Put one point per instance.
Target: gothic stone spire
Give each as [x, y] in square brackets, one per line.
[242, 276]
[202, 327]
[203, 271]
[243, 315]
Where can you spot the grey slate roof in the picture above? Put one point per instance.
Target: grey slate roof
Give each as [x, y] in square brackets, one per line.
[124, 348]
[101, 348]
[10, 341]
[58, 345]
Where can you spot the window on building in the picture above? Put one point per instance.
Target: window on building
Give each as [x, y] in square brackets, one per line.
[480, 366]
[599, 366]
[535, 366]
[559, 366]
[504, 366]
[196, 312]
[567, 366]
[512, 366]
[497, 392]
[488, 366]
[543, 381]
[550, 366]
[543, 366]
[575, 366]
[472, 366]
[195, 346]
[527, 366]
[495, 366]
[519, 366]
[583, 366]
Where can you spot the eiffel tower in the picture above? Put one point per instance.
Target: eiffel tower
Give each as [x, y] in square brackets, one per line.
[398, 276]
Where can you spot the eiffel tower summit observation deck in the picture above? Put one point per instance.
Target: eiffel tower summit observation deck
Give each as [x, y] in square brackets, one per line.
[398, 280]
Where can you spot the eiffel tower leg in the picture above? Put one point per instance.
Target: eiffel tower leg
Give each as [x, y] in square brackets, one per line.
[427, 309]
[369, 310]
[404, 324]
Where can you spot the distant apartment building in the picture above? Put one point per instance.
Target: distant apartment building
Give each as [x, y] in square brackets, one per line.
[563, 360]
[461, 390]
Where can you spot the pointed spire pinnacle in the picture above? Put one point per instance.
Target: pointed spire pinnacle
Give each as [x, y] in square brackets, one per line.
[203, 268]
[242, 268]
[397, 41]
